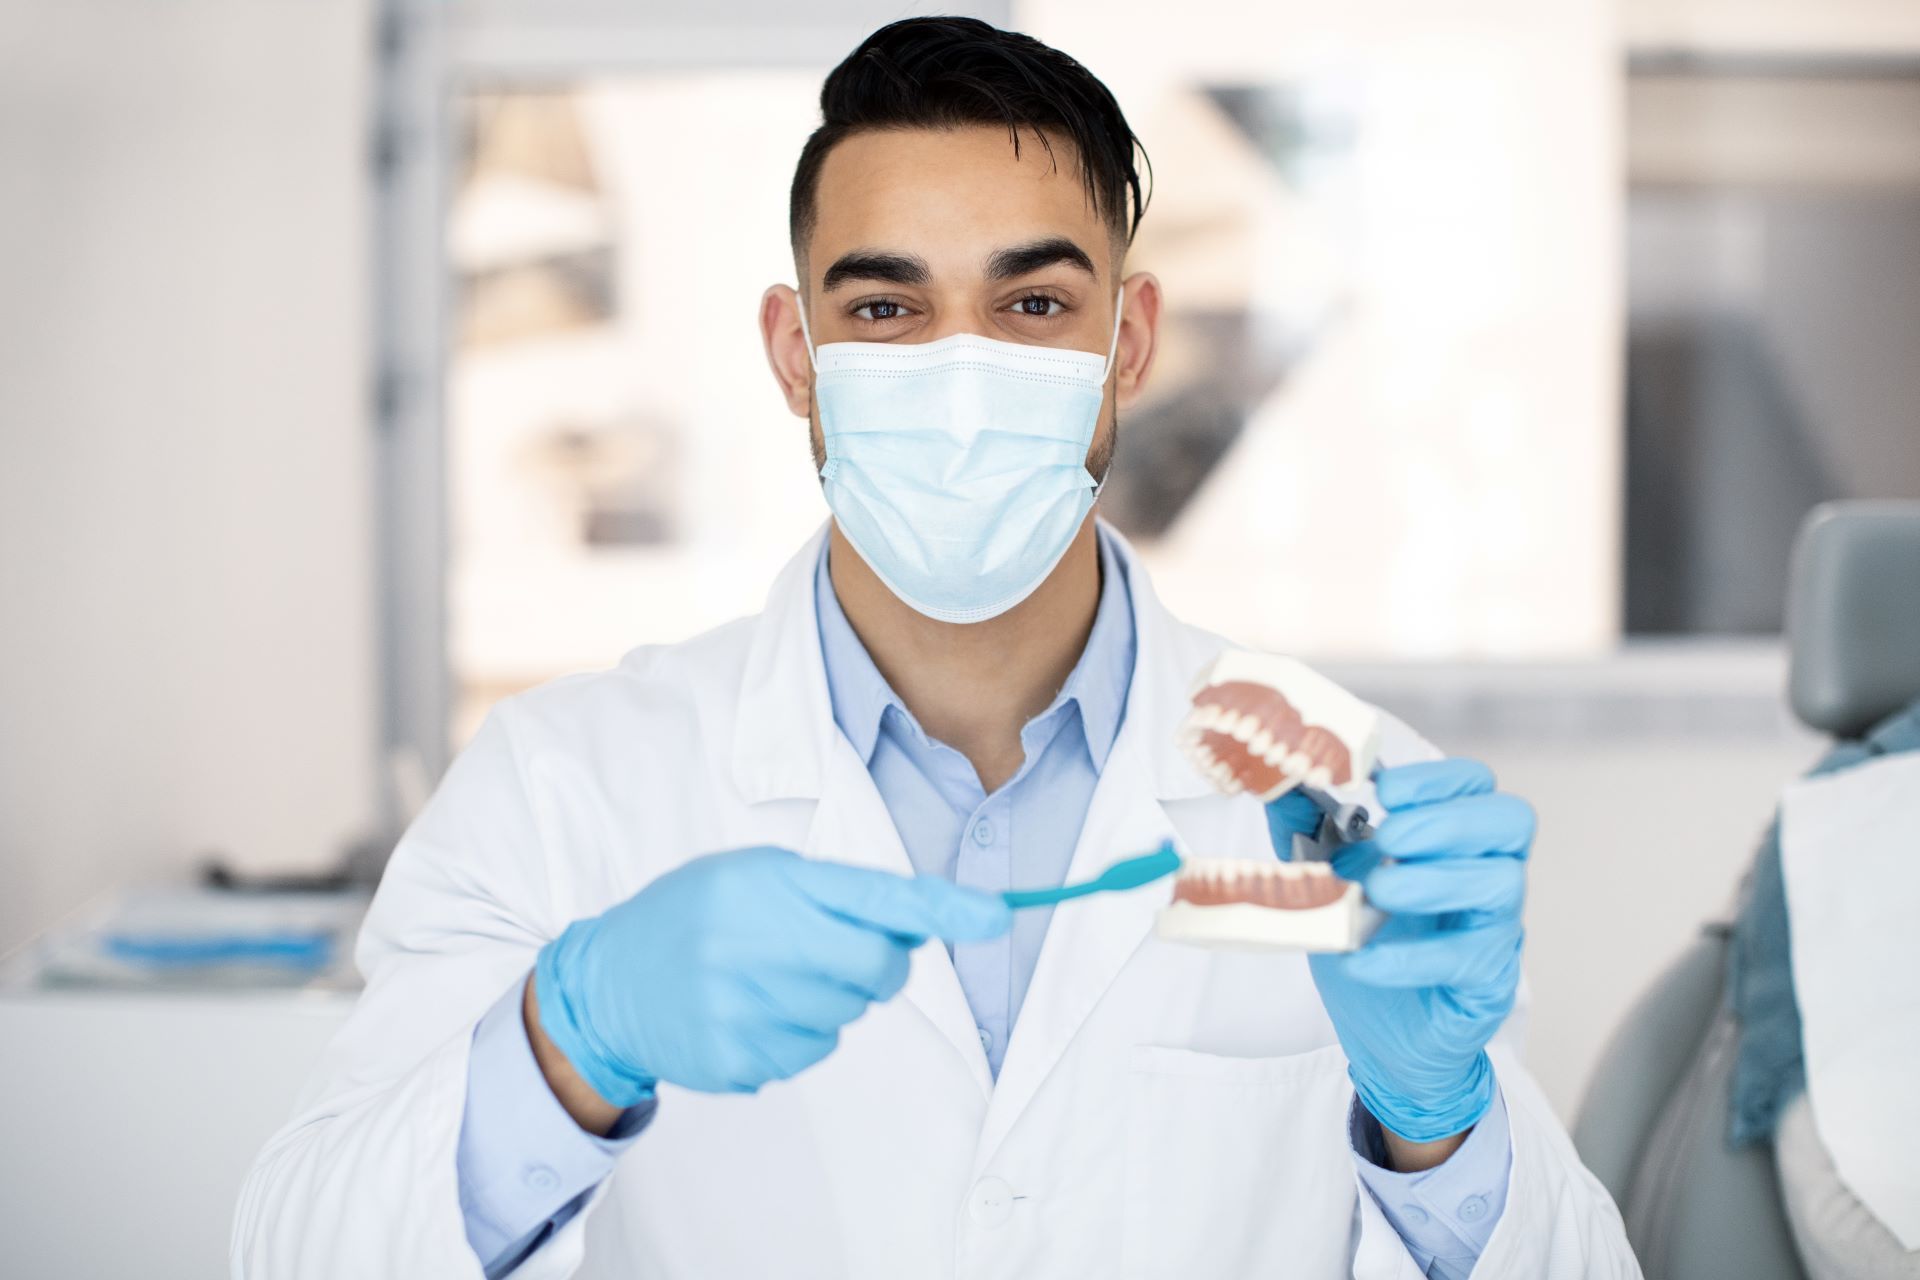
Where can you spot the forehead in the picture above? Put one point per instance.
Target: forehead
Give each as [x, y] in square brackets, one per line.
[951, 196]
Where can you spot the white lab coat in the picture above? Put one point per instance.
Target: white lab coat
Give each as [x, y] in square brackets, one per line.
[1162, 1110]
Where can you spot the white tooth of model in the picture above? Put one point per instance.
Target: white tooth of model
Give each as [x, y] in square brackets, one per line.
[1260, 743]
[1244, 728]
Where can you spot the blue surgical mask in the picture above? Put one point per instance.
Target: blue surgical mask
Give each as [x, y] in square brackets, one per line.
[957, 468]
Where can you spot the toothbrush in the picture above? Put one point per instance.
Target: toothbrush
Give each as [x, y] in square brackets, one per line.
[1129, 873]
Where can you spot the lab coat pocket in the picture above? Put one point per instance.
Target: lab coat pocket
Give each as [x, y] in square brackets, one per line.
[1237, 1166]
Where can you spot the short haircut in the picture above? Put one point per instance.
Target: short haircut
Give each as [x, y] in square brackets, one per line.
[946, 73]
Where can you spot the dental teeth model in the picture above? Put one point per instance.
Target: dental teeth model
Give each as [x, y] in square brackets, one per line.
[1264, 725]
[1239, 902]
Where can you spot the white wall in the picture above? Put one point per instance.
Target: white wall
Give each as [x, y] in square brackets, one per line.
[1803, 28]
[185, 600]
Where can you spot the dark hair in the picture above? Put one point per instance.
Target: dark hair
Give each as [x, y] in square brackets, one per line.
[941, 73]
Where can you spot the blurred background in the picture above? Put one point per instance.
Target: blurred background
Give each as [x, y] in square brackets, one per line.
[363, 363]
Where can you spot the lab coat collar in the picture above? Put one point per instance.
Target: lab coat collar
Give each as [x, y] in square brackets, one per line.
[784, 729]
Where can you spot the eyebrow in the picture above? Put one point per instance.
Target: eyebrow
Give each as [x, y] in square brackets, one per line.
[911, 269]
[1024, 259]
[870, 264]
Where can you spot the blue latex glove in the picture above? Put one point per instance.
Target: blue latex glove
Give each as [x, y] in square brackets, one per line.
[1415, 1007]
[740, 968]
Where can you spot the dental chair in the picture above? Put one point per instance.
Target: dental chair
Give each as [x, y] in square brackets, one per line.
[1653, 1126]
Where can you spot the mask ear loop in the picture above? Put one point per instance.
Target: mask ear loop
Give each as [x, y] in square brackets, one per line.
[808, 337]
[1113, 349]
[1113, 346]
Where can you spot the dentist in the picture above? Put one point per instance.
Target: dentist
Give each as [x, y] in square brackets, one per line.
[698, 966]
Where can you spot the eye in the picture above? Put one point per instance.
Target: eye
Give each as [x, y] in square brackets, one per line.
[1039, 306]
[879, 310]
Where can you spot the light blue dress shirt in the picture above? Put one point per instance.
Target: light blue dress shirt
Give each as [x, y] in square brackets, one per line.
[525, 1168]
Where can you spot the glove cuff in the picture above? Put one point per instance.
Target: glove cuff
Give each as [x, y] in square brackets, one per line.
[1434, 1118]
[566, 1023]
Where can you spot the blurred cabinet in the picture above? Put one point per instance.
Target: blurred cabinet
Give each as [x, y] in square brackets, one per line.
[128, 1122]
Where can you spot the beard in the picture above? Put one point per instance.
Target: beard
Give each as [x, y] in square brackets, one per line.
[1100, 456]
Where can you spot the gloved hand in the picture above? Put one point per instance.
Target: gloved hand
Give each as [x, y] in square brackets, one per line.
[739, 968]
[1415, 1007]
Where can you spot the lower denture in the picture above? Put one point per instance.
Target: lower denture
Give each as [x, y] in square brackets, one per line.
[1301, 889]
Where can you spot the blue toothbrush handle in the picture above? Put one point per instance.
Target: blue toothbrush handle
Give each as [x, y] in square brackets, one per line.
[1018, 898]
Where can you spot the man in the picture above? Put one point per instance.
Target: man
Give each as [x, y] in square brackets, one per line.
[802, 1058]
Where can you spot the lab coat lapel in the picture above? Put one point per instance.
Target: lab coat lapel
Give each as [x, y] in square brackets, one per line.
[1090, 940]
[786, 746]
[1088, 943]
[851, 824]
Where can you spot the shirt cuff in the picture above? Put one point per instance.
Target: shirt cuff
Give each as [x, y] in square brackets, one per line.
[1445, 1215]
[524, 1165]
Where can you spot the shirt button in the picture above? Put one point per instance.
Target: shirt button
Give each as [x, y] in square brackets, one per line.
[991, 1202]
[541, 1178]
[983, 832]
[1473, 1208]
[1415, 1214]
[986, 1040]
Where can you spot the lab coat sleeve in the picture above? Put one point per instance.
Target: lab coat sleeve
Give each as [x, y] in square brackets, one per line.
[1558, 1223]
[363, 1181]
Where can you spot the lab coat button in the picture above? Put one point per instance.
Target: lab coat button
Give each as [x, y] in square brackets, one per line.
[1414, 1215]
[986, 1039]
[541, 1178]
[991, 1202]
[1472, 1209]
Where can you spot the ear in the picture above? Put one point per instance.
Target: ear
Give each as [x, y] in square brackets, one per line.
[786, 348]
[1139, 338]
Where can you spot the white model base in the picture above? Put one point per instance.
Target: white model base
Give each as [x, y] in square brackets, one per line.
[1343, 925]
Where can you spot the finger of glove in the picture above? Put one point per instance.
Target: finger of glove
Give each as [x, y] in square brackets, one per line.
[872, 963]
[1448, 958]
[1467, 827]
[914, 909]
[807, 1000]
[1293, 814]
[1496, 885]
[1431, 781]
[780, 1052]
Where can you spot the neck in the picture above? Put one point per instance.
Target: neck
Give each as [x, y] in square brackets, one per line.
[974, 685]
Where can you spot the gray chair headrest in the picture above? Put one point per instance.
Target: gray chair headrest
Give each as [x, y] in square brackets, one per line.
[1853, 615]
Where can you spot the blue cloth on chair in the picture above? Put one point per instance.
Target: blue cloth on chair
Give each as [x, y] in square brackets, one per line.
[1769, 1070]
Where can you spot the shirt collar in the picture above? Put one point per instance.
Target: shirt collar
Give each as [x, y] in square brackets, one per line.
[1097, 685]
